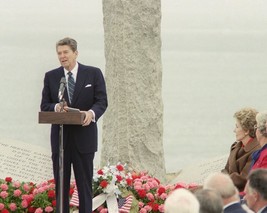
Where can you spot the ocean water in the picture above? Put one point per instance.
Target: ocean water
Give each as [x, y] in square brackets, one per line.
[213, 56]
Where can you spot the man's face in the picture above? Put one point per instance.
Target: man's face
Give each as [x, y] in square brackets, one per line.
[66, 57]
[250, 197]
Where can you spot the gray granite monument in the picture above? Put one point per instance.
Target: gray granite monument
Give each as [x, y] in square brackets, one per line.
[133, 123]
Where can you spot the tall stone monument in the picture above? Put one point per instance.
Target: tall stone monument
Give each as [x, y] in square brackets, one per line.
[133, 123]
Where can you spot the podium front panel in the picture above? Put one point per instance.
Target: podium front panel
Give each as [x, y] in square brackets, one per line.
[74, 118]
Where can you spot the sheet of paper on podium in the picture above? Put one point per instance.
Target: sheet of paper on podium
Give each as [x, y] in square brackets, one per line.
[24, 161]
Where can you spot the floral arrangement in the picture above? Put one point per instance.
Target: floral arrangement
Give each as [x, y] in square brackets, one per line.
[147, 192]
[151, 194]
[14, 196]
[17, 197]
[111, 178]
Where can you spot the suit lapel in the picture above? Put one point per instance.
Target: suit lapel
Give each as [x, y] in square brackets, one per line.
[81, 75]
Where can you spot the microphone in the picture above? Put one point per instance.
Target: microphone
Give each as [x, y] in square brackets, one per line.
[61, 88]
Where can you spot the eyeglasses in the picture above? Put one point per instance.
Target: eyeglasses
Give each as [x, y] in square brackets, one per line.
[255, 126]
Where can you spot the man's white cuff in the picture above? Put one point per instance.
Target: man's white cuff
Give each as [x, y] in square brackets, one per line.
[93, 119]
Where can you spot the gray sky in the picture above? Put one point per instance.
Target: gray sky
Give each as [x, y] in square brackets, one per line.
[213, 56]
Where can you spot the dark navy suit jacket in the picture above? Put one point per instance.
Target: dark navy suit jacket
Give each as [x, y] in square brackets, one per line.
[89, 93]
[234, 208]
[264, 210]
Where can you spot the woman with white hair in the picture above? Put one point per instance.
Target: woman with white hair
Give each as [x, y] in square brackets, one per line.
[259, 158]
[181, 201]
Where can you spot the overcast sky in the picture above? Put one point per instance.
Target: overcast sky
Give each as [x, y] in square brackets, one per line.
[213, 56]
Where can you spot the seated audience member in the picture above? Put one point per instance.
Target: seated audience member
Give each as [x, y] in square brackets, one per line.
[240, 157]
[181, 201]
[224, 185]
[210, 201]
[260, 157]
[256, 191]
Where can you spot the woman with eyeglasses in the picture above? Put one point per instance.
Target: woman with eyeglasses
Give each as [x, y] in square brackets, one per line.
[260, 157]
[240, 157]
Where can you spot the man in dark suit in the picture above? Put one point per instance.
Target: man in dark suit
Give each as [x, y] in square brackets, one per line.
[210, 201]
[234, 208]
[256, 191]
[87, 92]
[223, 184]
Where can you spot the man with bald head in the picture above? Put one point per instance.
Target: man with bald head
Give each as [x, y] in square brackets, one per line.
[224, 185]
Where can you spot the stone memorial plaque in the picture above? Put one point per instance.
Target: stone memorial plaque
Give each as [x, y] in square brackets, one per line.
[24, 162]
[198, 172]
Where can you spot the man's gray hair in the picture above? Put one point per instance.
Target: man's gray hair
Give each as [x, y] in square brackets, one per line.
[181, 201]
[257, 180]
[261, 119]
[210, 201]
[69, 42]
[222, 183]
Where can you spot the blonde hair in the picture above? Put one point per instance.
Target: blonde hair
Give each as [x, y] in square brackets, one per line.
[247, 119]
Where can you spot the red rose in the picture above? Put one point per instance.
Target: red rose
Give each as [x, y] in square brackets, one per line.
[54, 203]
[51, 181]
[180, 185]
[8, 179]
[129, 181]
[135, 175]
[31, 209]
[4, 211]
[103, 183]
[141, 193]
[119, 178]
[100, 172]
[29, 199]
[161, 190]
[51, 194]
[119, 167]
[155, 206]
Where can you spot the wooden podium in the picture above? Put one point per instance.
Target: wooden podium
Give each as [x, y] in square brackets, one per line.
[61, 118]
[74, 118]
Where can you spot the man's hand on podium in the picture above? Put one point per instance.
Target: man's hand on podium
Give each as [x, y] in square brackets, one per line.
[61, 107]
[88, 117]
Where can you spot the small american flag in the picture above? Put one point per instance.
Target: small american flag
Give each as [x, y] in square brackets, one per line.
[75, 199]
[125, 204]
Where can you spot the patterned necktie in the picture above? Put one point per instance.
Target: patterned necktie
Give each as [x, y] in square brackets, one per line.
[71, 85]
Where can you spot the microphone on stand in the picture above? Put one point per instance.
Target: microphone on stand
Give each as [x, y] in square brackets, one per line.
[61, 89]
